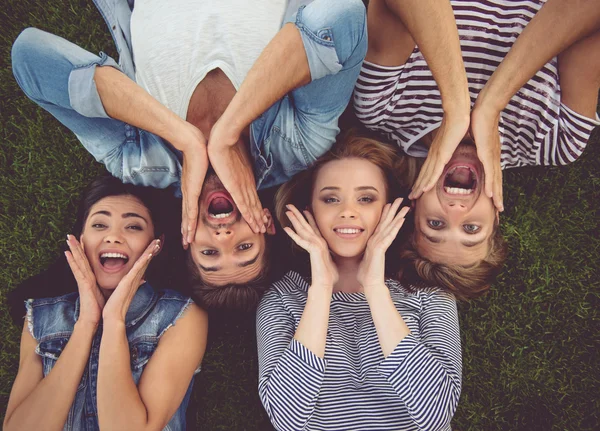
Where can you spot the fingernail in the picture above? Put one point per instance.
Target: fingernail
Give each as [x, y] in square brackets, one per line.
[150, 256]
[265, 219]
[158, 242]
[263, 229]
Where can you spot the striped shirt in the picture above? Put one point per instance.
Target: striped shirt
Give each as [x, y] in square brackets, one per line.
[403, 103]
[355, 387]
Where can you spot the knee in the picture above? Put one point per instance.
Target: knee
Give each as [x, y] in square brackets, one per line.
[24, 51]
[346, 19]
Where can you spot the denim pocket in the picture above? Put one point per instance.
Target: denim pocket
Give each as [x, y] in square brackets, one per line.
[140, 352]
[50, 350]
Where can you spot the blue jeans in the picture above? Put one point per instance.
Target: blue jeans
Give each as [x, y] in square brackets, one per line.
[59, 76]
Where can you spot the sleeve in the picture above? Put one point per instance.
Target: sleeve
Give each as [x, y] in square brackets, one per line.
[290, 375]
[426, 371]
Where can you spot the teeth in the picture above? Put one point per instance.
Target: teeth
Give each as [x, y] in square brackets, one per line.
[348, 231]
[458, 191]
[113, 255]
[224, 215]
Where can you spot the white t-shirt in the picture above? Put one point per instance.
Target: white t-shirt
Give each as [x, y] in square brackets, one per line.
[176, 43]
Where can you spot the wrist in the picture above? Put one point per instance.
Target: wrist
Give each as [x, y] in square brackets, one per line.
[110, 324]
[87, 327]
[376, 291]
[489, 104]
[320, 291]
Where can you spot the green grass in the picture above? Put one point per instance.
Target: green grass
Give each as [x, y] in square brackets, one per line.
[529, 346]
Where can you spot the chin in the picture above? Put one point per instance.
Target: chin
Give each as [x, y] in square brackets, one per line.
[348, 252]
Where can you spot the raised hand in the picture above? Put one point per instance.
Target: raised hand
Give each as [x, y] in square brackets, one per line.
[484, 128]
[230, 159]
[306, 234]
[91, 300]
[195, 165]
[117, 305]
[448, 136]
[371, 271]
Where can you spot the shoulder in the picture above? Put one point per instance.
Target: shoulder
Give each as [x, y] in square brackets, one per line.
[289, 292]
[50, 316]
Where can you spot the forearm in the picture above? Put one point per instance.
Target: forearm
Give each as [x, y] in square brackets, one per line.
[48, 405]
[432, 25]
[312, 329]
[119, 404]
[389, 325]
[126, 101]
[280, 68]
[557, 25]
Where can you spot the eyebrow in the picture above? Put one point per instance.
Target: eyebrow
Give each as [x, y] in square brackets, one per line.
[465, 243]
[126, 215]
[241, 264]
[361, 188]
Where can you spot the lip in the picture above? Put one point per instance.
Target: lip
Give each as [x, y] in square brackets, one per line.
[348, 235]
[113, 270]
[217, 220]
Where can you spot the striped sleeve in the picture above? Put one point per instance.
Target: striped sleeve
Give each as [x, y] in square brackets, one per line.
[425, 371]
[290, 375]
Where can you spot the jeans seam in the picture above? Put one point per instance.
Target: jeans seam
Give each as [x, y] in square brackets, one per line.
[310, 33]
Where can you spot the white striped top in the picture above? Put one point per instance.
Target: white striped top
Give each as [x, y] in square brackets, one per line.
[403, 102]
[354, 387]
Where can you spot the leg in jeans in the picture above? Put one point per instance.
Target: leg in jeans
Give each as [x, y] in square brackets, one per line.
[300, 127]
[58, 76]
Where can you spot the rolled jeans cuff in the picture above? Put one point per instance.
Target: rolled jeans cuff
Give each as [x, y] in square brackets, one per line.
[83, 94]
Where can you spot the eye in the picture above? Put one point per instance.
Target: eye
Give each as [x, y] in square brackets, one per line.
[330, 200]
[366, 199]
[471, 228]
[245, 246]
[135, 227]
[98, 226]
[435, 224]
[209, 252]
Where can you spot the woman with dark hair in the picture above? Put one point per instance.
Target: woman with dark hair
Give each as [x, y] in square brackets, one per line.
[347, 349]
[117, 354]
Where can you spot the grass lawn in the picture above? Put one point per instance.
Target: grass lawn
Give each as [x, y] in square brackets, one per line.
[528, 345]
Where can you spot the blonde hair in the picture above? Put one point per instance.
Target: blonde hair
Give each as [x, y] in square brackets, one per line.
[352, 144]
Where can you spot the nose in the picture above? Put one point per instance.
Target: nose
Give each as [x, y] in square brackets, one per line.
[113, 238]
[348, 212]
[223, 234]
[457, 206]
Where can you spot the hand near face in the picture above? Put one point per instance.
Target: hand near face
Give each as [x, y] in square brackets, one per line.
[91, 300]
[230, 159]
[117, 305]
[447, 138]
[306, 234]
[484, 127]
[195, 165]
[371, 271]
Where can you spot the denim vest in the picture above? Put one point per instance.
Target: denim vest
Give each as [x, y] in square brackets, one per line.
[51, 322]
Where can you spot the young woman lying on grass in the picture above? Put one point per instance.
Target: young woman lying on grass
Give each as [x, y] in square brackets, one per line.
[118, 354]
[528, 97]
[347, 349]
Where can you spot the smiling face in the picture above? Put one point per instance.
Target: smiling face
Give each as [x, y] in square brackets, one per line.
[115, 234]
[225, 248]
[347, 200]
[454, 220]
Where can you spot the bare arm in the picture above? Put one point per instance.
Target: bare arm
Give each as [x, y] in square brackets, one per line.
[124, 100]
[122, 404]
[38, 402]
[557, 25]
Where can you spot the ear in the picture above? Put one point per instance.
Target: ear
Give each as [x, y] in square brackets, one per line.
[160, 245]
[270, 223]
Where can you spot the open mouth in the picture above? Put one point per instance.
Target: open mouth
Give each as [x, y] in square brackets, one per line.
[112, 261]
[220, 206]
[460, 180]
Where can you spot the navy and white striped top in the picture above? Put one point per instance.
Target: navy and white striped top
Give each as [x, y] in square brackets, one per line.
[354, 387]
[403, 102]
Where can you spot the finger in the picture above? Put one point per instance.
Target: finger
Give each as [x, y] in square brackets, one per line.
[136, 273]
[296, 238]
[498, 195]
[184, 223]
[257, 210]
[393, 210]
[246, 214]
[79, 255]
[192, 217]
[299, 224]
[79, 276]
[312, 223]
[393, 229]
[416, 190]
